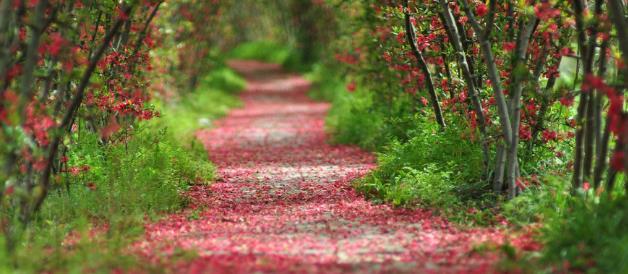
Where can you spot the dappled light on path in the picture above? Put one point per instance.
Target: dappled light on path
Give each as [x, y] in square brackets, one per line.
[283, 200]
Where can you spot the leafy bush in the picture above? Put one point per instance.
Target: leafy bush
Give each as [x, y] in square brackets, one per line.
[429, 187]
[591, 236]
[355, 119]
[432, 169]
[327, 84]
[538, 201]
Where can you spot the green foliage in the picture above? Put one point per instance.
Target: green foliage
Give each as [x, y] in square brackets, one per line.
[136, 177]
[356, 118]
[211, 99]
[126, 182]
[222, 78]
[584, 232]
[537, 202]
[263, 51]
[431, 169]
[327, 85]
[429, 187]
[590, 237]
[271, 52]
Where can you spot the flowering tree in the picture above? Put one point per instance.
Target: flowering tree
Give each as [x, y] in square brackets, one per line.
[64, 66]
[497, 65]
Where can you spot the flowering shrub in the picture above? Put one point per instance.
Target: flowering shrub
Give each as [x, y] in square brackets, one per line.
[66, 65]
[510, 70]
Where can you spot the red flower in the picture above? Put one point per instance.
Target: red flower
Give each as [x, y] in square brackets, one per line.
[91, 186]
[122, 15]
[351, 87]
[14, 71]
[566, 51]
[617, 161]
[549, 135]
[508, 46]
[423, 101]
[74, 170]
[593, 82]
[531, 107]
[545, 11]
[56, 43]
[521, 183]
[481, 10]
[524, 133]
[586, 186]
[9, 190]
[566, 101]
[110, 128]
[401, 36]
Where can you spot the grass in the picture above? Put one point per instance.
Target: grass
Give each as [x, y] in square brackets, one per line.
[90, 218]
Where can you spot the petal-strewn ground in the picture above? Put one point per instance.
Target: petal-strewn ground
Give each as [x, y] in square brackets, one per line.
[283, 201]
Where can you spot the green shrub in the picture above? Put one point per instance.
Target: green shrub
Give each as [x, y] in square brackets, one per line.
[327, 85]
[429, 187]
[432, 169]
[356, 119]
[589, 237]
[538, 201]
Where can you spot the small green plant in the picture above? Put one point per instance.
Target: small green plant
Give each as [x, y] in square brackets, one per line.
[548, 198]
[590, 236]
[432, 169]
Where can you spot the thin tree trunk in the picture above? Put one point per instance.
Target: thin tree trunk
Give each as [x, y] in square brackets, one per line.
[590, 133]
[617, 12]
[411, 38]
[500, 166]
[582, 105]
[32, 55]
[493, 75]
[603, 139]
[454, 38]
[5, 17]
[517, 87]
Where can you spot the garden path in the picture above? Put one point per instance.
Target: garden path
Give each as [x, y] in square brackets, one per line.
[283, 200]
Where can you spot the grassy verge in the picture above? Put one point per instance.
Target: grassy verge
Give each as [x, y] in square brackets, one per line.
[98, 208]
